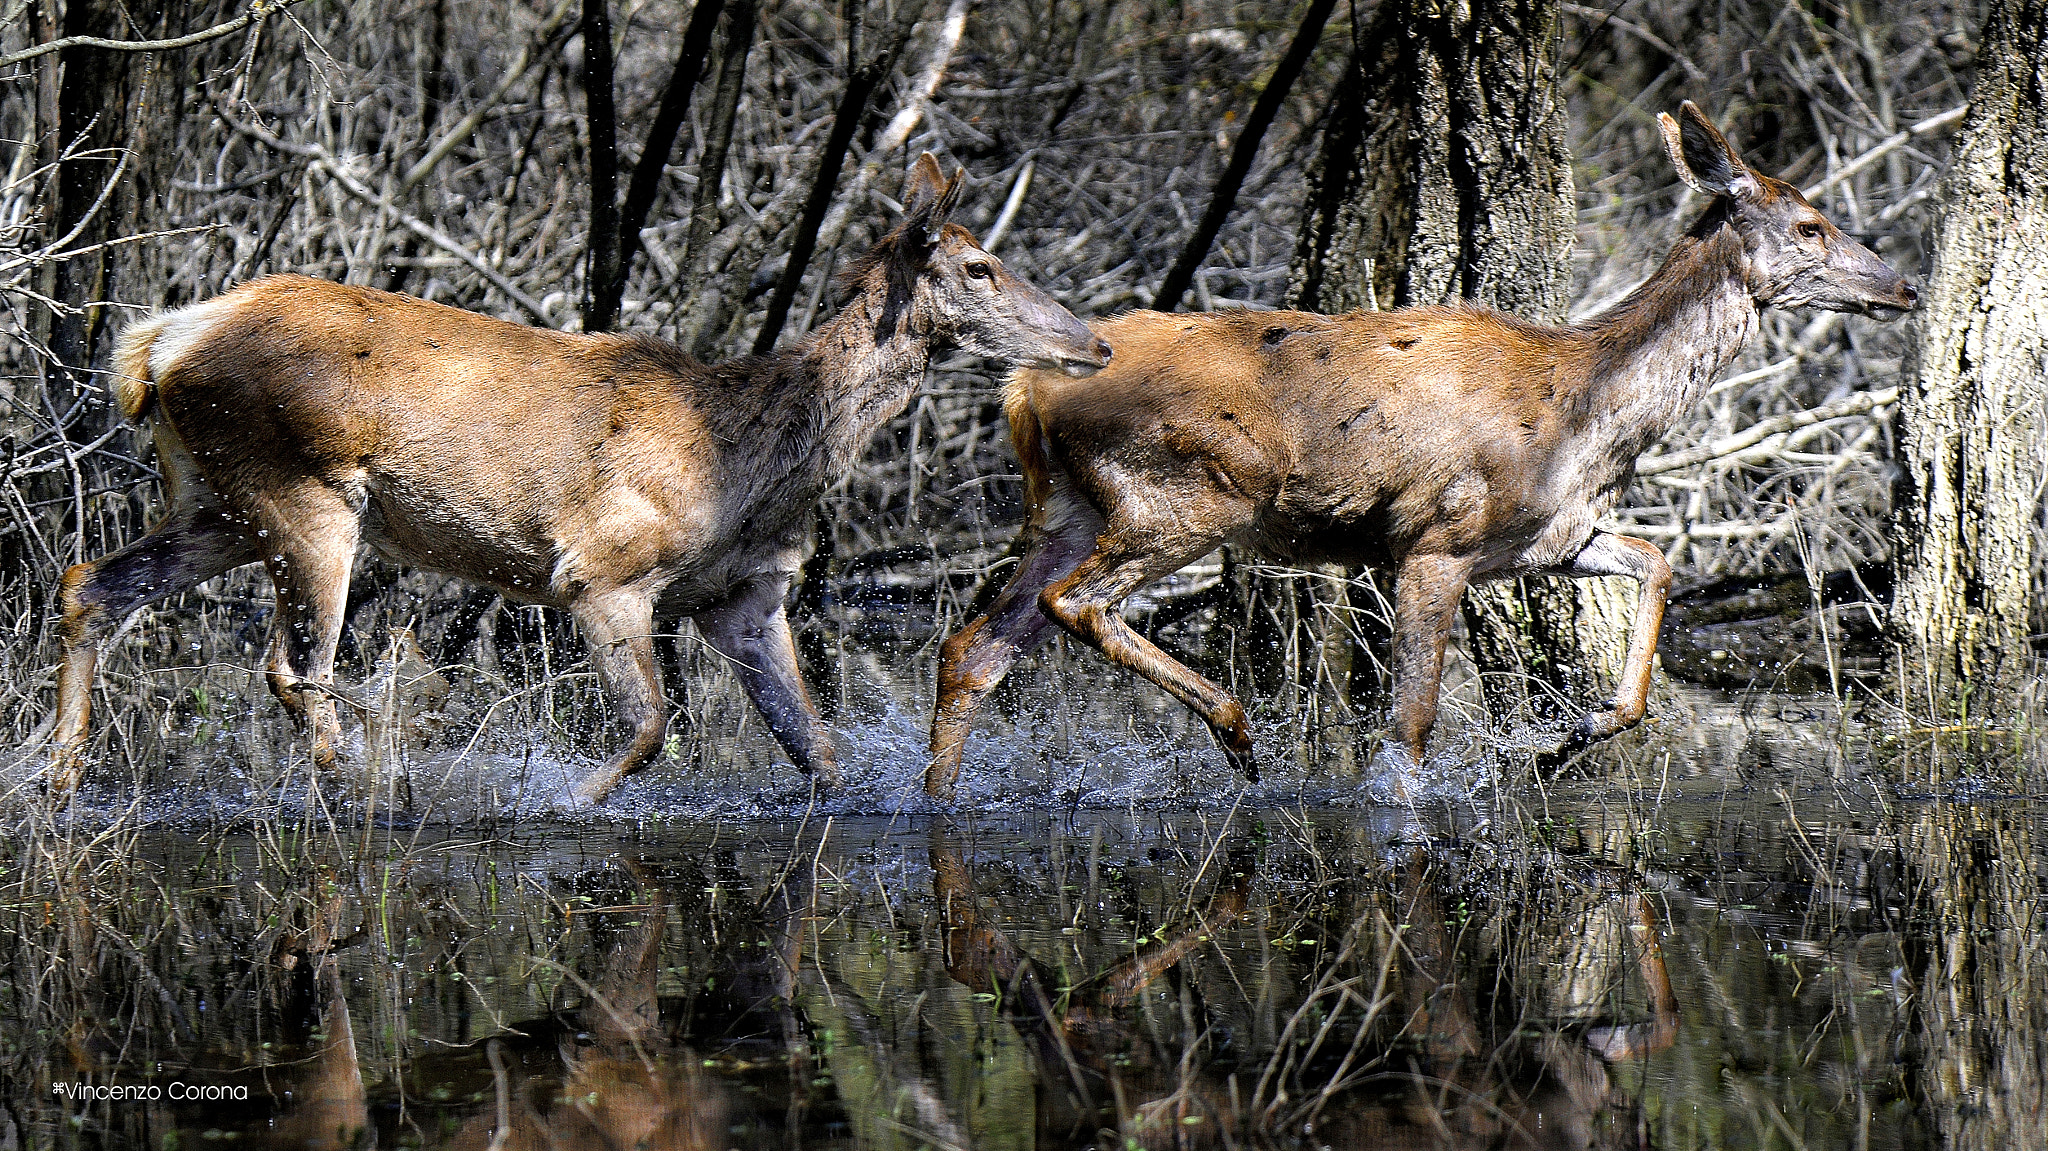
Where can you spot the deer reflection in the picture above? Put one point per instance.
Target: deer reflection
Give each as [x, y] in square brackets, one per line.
[1387, 1049]
[329, 1107]
[1085, 1048]
[624, 1080]
[626, 1068]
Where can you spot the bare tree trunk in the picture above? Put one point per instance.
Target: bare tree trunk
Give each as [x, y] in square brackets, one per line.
[714, 304]
[603, 268]
[1970, 420]
[1444, 175]
[91, 133]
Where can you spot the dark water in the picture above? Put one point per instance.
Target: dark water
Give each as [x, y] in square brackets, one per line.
[1763, 951]
[1751, 923]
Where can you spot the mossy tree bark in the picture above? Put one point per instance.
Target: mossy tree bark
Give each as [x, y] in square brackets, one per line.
[1444, 175]
[1970, 425]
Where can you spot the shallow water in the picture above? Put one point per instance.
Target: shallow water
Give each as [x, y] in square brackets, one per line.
[1698, 962]
[1752, 922]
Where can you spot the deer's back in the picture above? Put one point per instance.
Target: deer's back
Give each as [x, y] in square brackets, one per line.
[475, 446]
[1357, 437]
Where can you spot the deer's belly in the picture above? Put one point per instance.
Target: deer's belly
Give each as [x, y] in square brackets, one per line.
[514, 563]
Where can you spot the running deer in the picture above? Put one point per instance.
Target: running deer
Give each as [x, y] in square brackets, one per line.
[1448, 443]
[610, 475]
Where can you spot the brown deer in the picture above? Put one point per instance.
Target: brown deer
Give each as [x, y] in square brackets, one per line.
[613, 476]
[1448, 443]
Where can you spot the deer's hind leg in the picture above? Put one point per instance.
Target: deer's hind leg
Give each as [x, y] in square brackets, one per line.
[307, 539]
[751, 628]
[974, 660]
[618, 626]
[193, 544]
[1088, 603]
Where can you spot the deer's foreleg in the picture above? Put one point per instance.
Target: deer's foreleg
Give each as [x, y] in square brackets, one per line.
[1088, 603]
[1606, 555]
[975, 659]
[190, 546]
[1633, 1040]
[618, 628]
[1426, 593]
[751, 628]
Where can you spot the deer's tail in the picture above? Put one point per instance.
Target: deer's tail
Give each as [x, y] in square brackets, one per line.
[149, 349]
[135, 387]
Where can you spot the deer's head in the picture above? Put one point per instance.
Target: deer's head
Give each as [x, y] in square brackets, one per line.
[1794, 256]
[963, 296]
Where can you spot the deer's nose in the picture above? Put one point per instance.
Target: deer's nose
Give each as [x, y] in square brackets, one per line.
[1103, 353]
[1910, 293]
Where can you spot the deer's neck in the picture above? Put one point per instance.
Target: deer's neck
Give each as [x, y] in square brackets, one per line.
[863, 366]
[1657, 351]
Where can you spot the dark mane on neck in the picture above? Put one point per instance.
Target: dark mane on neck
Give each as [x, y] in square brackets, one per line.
[852, 280]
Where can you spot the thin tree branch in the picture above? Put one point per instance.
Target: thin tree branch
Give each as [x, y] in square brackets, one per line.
[521, 65]
[732, 75]
[1851, 405]
[319, 160]
[859, 87]
[1885, 148]
[1639, 32]
[902, 124]
[645, 182]
[710, 307]
[1018, 190]
[260, 10]
[604, 266]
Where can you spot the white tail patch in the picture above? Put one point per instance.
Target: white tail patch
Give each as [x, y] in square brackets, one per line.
[177, 331]
[152, 347]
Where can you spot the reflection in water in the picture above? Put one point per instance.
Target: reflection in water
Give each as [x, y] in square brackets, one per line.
[626, 1068]
[1983, 972]
[1385, 1050]
[329, 1107]
[1740, 972]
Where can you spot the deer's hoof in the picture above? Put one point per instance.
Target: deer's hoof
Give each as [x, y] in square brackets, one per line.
[1244, 763]
[1391, 777]
[1604, 722]
[573, 803]
[66, 771]
[589, 791]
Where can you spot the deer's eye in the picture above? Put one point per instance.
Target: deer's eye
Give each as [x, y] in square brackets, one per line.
[980, 270]
[1811, 229]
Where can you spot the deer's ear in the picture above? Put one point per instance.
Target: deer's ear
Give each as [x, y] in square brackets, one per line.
[928, 198]
[1703, 157]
